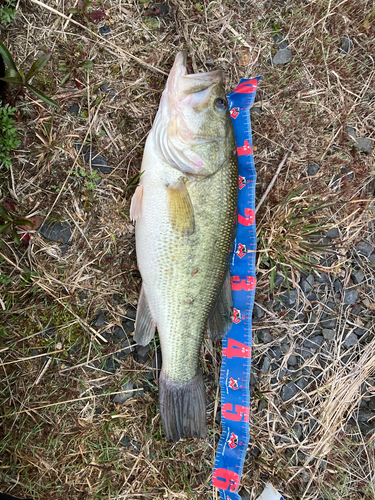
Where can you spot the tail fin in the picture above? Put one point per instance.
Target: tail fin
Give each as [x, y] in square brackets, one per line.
[183, 407]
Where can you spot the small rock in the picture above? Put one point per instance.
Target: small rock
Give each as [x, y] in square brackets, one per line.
[304, 353]
[372, 259]
[313, 343]
[337, 286]
[119, 333]
[255, 111]
[289, 298]
[115, 299]
[302, 383]
[350, 340]
[264, 336]
[313, 168]
[73, 109]
[281, 42]
[297, 428]
[328, 322]
[125, 442]
[98, 162]
[288, 391]
[275, 353]
[282, 56]
[350, 296]
[364, 144]
[258, 313]
[333, 233]
[358, 276]
[112, 95]
[128, 326]
[364, 248]
[346, 45]
[266, 364]
[100, 320]
[244, 494]
[210, 62]
[111, 365]
[359, 331]
[307, 284]
[127, 394]
[371, 403]
[131, 313]
[105, 86]
[329, 334]
[59, 232]
[278, 280]
[142, 354]
[127, 347]
[104, 30]
[292, 360]
[351, 133]
[366, 415]
[349, 174]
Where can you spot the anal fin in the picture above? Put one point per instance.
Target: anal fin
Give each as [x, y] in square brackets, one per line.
[144, 324]
[181, 210]
[220, 320]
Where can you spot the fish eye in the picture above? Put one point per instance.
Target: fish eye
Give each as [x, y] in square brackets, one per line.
[221, 104]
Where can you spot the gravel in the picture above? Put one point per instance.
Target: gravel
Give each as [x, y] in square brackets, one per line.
[313, 342]
[364, 248]
[282, 56]
[264, 336]
[121, 398]
[313, 168]
[100, 320]
[288, 391]
[328, 334]
[350, 340]
[333, 233]
[346, 45]
[292, 360]
[350, 296]
[98, 162]
[372, 259]
[60, 232]
[73, 109]
[119, 333]
[142, 354]
[358, 276]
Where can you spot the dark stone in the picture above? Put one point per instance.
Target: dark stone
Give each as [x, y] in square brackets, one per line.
[125, 442]
[307, 284]
[104, 30]
[119, 333]
[127, 347]
[112, 95]
[302, 382]
[275, 353]
[364, 144]
[371, 403]
[115, 299]
[289, 298]
[282, 373]
[280, 41]
[59, 232]
[312, 297]
[329, 334]
[304, 353]
[266, 364]
[258, 313]
[372, 259]
[35, 352]
[356, 310]
[111, 365]
[244, 494]
[100, 320]
[128, 393]
[282, 56]
[292, 360]
[255, 451]
[210, 62]
[350, 296]
[98, 162]
[74, 350]
[313, 168]
[350, 340]
[313, 342]
[73, 109]
[105, 86]
[328, 322]
[255, 111]
[131, 313]
[288, 391]
[278, 280]
[347, 173]
[297, 428]
[358, 276]
[142, 354]
[346, 45]
[364, 248]
[323, 278]
[49, 332]
[333, 233]
[128, 326]
[365, 416]
[359, 331]
[82, 296]
[264, 335]
[337, 286]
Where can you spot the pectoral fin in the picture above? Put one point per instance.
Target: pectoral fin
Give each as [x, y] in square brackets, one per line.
[181, 210]
[136, 204]
[144, 324]
[220, 321]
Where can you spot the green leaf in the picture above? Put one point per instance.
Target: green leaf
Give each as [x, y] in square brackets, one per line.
[38, 65]
[16, 237]
[7, 57]
[63, 68]
[5, 227]
[10, 79]
[41, 95]
[4, 213]
[86, 64]
[23, 222]
[66, 77]
[73, 11]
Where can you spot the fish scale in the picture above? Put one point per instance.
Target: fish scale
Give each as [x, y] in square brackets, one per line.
[236, 359]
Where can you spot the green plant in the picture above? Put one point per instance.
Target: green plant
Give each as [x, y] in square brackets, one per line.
[8, 135]
[89, 179]
[18, 77]
[85, 9]
[47, 136]
[71, 65]
[291, 233]
[8, 12]
[10, 221]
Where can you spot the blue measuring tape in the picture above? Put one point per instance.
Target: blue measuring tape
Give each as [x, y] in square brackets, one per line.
[236, 360]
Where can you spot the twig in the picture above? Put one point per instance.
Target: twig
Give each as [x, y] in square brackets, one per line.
[270, 185]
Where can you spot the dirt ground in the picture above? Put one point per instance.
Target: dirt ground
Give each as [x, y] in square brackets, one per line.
[68, 306]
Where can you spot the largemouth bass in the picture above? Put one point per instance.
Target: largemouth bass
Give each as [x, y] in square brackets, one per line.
[184, 210]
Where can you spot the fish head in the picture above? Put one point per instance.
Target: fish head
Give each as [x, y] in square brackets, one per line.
[193, 130]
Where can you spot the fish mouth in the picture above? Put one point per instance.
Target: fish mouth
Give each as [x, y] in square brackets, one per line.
[195, 82]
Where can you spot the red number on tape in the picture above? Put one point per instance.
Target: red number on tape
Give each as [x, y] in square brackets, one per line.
[247, 285]
[249, 218]
[224, 479]
[236, 349]
[241, 412]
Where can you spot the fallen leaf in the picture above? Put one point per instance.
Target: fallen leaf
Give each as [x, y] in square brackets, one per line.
[244, 58]
[366, 25]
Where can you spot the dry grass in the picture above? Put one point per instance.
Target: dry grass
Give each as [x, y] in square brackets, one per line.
[61, 432]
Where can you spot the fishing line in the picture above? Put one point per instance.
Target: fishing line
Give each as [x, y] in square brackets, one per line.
[236, 359]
